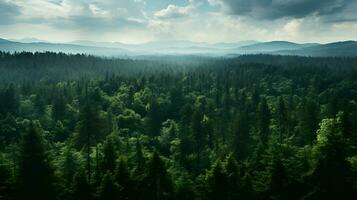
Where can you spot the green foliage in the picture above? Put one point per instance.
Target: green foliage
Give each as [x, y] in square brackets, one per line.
[251, 127]
[35, 176]
[157, 183]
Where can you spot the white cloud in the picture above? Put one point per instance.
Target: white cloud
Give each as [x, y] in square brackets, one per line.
[98, 11]
[293, 26]
[140, 21]
[173, 11]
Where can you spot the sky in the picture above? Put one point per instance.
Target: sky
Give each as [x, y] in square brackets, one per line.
[212, 21]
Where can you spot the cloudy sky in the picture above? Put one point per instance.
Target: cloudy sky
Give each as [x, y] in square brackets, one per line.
[137, 21]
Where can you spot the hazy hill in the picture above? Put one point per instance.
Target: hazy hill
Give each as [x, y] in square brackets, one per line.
[345, 48]
[10, 46]
[183, 47]
[273, 46]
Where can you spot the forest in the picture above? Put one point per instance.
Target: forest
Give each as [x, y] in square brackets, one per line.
[79, 127]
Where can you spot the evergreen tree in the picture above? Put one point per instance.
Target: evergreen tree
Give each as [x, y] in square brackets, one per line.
[217, 182]
[9, 101]
[282, 118]
[82, 190]
[264, 121]
[123, 178]
[108, 188]
[35, 176]
[279, 181]
[309, 121]
[109, 156]
[58, 108]
[329, 176]
[241, 136]
[139, 158]
[70, 166]
[154, 118]
[88, 131]
[157, 181]
[5, 176]
[198, 135]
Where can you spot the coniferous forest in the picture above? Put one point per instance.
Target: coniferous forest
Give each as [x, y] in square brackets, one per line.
[79, 127]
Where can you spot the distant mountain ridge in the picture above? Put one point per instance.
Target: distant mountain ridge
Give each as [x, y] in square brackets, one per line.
[11, 46]
[275, 46]
[183, 47]
[344, 48]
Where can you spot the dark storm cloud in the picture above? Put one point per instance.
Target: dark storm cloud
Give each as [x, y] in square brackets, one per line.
[7, 12]
[275, 9]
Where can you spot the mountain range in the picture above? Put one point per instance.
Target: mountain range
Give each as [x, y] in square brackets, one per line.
[182, 47]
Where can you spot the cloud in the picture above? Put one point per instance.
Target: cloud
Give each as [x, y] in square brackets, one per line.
[8, 11]
[197, 20]
[173, 11]
[86, 15]
[275, 9]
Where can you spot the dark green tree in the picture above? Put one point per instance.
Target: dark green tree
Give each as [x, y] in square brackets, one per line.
[330, 174]
[109, 156]
[88, 132]
[217, 182]
[264, 116]
[279, 182]
[158, 184]
[139, 158]
[82, 190]
[108, 188]
[309, 121]
[240, 136]
[125, 181]
[154, 118]
[35, 176]
[282, 119]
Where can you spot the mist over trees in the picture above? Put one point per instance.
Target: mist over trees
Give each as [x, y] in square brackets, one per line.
[190, 127]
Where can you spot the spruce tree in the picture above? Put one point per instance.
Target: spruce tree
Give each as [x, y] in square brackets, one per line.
[108, 188]
[157, 181]
[82, 190]
[264, 116]
[109, 156]
[125, 181]
[88, 132]
[35, 176]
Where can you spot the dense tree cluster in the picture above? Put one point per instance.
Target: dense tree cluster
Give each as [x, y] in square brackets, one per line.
[252, 127]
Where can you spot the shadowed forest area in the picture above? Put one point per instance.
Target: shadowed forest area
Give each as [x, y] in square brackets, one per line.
[78, 127]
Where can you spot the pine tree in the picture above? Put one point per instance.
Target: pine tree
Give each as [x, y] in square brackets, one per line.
[108, 188]
[233, 173]
[69, 166]
[154, 118]
[125, 181]
[264, 121]
[5, 176]
[309, 122]
[59, 108]
[9, 101]
[329, 175]
[88, 132]
[198, 135]
[157, 181]
[139, 158]
[35, 177]
[241, 137]
[82, 190]
[279, 181]
[282, 118]
[109, 156]
[217, 182]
